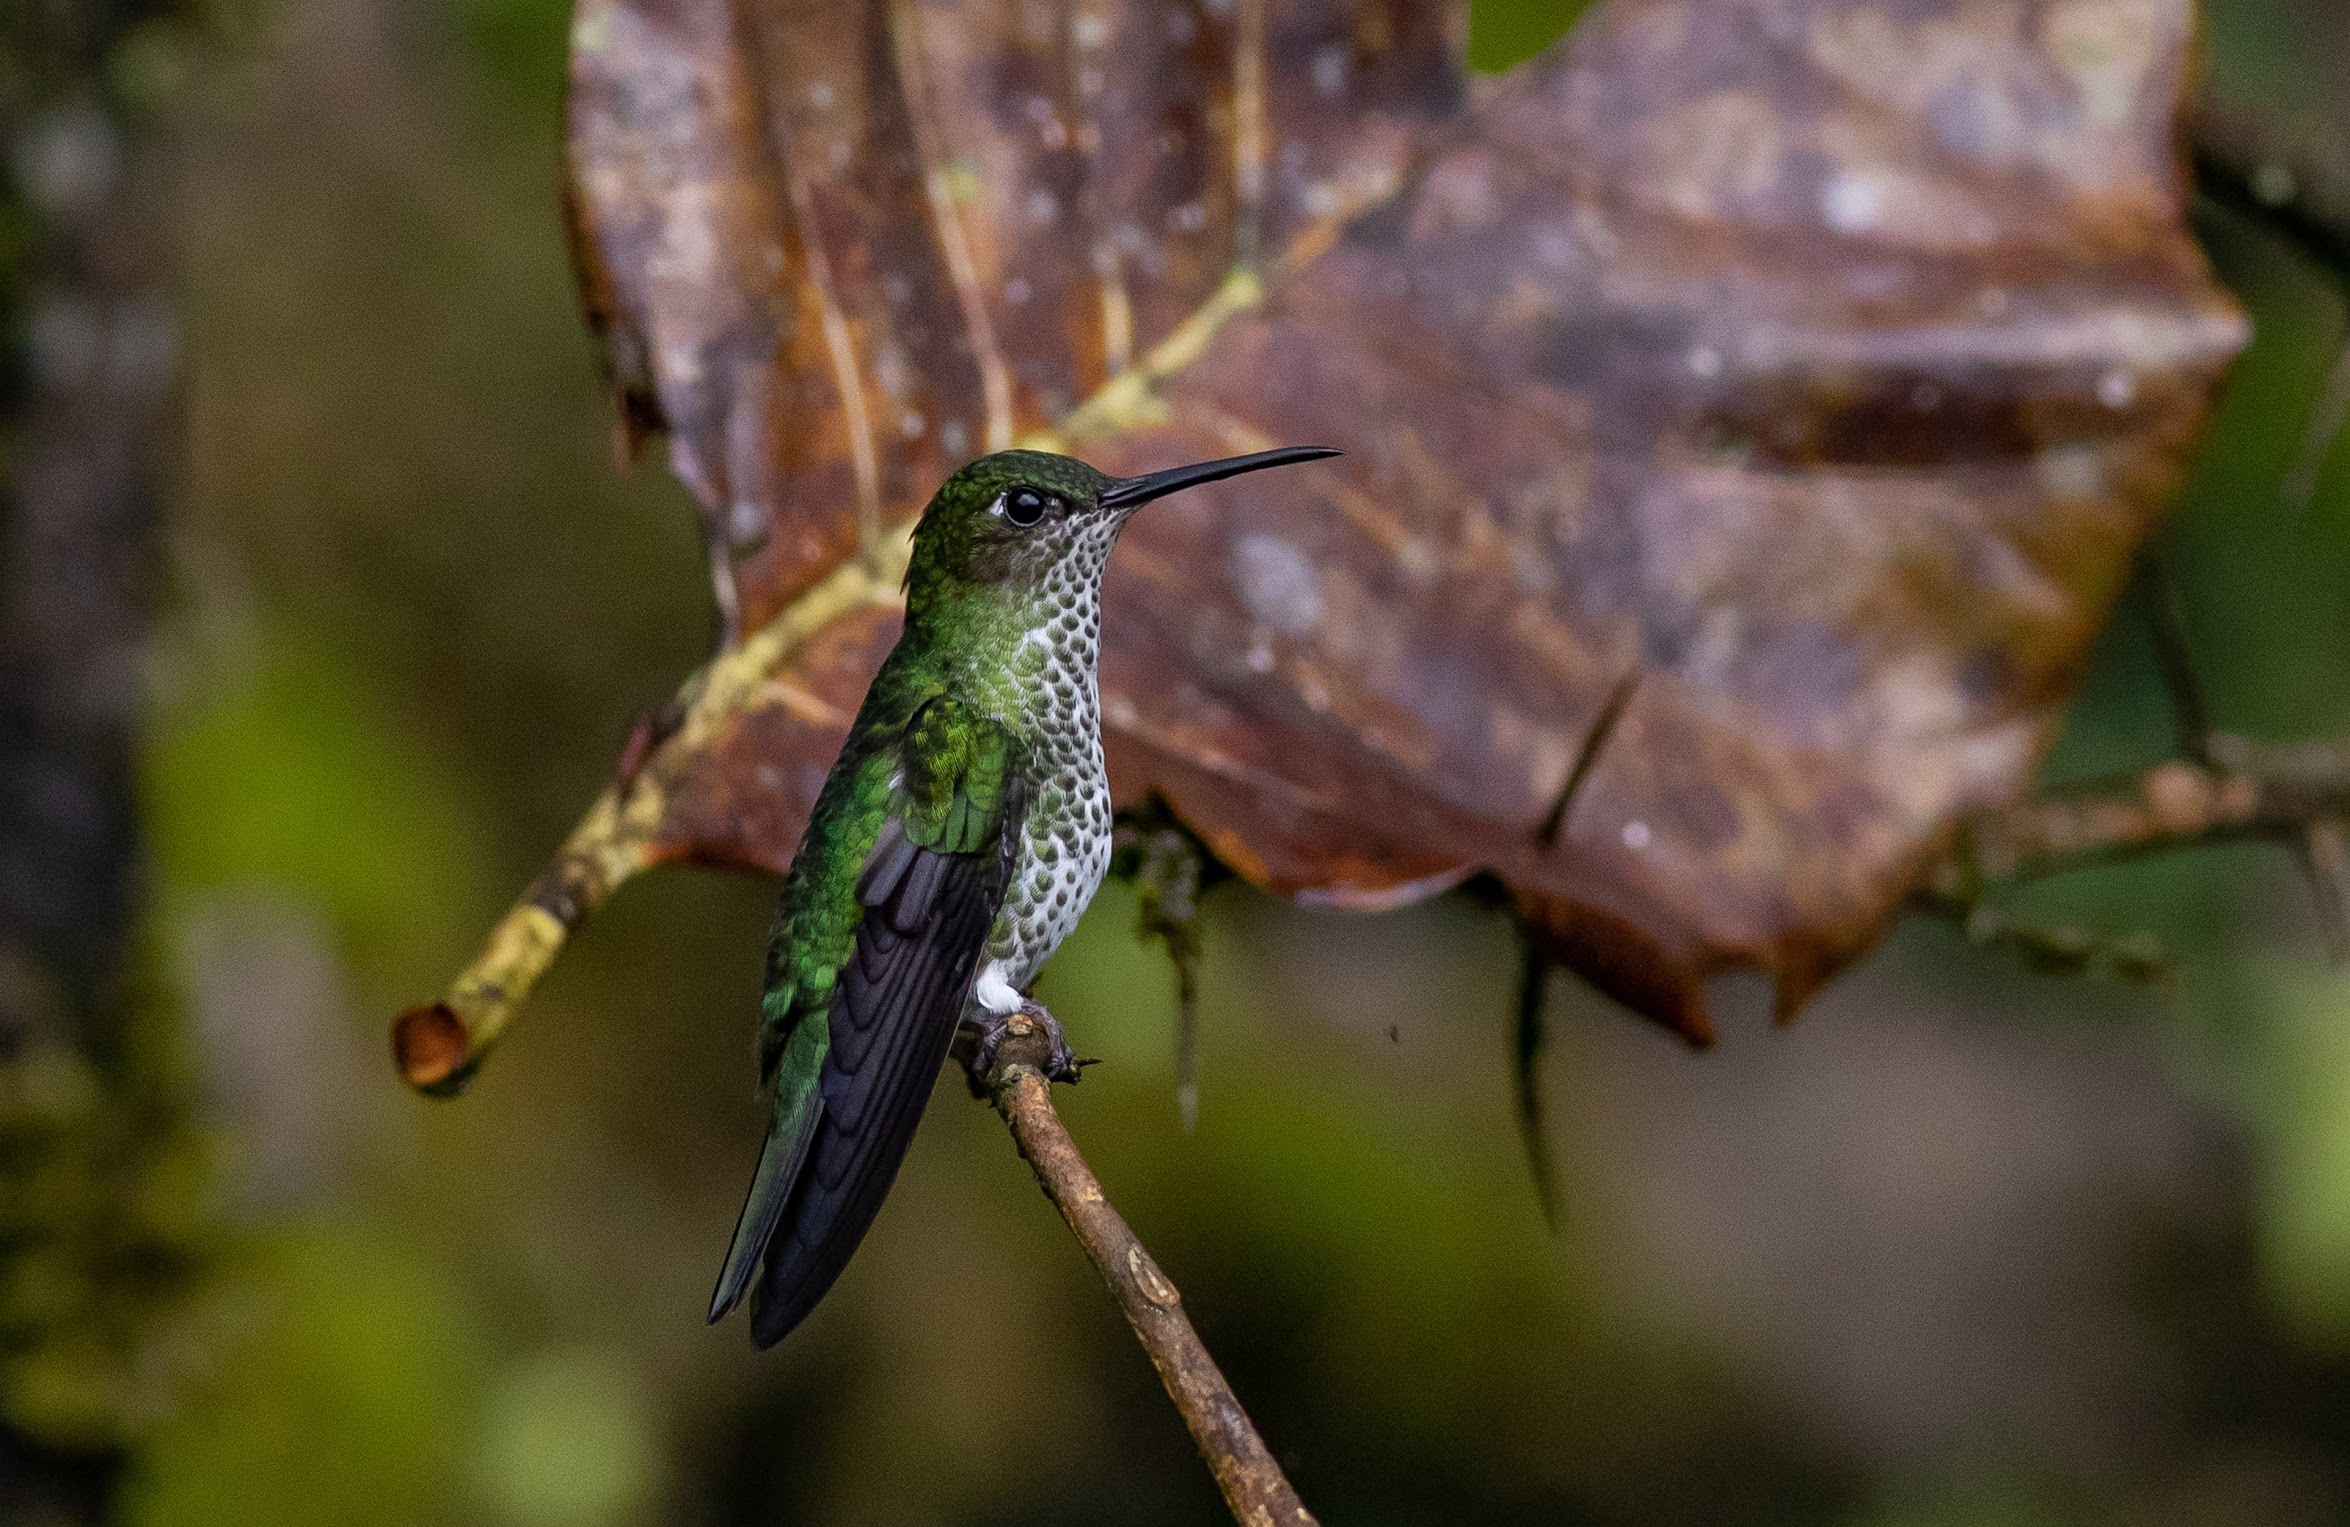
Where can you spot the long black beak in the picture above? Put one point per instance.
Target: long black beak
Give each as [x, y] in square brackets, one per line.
[1128, 492]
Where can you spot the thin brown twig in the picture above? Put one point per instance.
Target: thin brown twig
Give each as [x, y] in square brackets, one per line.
[1253, 1484]
[2221, 789]
[2251, 791]
[2293, 795]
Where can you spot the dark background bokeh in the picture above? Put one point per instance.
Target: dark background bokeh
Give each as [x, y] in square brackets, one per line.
[1964, 1248]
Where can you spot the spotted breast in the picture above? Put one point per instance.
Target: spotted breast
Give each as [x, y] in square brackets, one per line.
[1065, 848]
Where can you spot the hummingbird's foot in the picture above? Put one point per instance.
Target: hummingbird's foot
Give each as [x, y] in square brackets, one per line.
[985, 1036]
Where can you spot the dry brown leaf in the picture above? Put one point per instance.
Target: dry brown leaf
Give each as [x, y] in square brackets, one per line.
[1819, 363]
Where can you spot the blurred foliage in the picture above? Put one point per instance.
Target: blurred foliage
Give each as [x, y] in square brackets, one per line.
[2308, 1129]
[567, 1442]
[346, 1354]
[410, 598]
[107, 1198]
[106, 1217]
[356, 816]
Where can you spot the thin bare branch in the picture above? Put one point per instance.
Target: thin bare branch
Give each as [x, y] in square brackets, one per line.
[2295, 795]
[2253, 792]
[1532, 1030]
[1252, 1482]
[438, 1046]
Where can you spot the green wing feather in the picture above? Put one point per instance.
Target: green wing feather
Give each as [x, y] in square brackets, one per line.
[884, 915]
[955, 765]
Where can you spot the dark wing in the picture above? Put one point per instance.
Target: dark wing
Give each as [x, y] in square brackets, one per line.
[893, 1017]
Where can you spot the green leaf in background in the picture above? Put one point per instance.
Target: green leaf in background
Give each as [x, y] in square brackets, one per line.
[567, 1442]
[2306, 1208]
[293, 775]
[346, 1399]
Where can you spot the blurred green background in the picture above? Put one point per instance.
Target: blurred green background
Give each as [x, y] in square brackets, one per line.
[1965, 1248]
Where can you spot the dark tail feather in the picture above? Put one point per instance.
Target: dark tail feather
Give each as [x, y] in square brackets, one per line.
[851, 1164]
[779, 1166]
[891, 1025]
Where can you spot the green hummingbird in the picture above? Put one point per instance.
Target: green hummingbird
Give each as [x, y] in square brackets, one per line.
[961, 832]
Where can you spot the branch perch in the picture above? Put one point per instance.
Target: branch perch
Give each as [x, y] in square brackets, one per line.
[1253, 1484]
[2294, 795]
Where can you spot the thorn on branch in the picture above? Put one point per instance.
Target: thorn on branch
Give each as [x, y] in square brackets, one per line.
[1254, 1487]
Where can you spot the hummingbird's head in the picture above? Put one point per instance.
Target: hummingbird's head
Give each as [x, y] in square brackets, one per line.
[1019, 521]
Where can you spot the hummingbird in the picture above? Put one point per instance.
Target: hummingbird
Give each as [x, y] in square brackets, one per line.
[958, 837]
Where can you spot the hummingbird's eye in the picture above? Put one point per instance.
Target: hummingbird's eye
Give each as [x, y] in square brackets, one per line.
[1023, 507]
